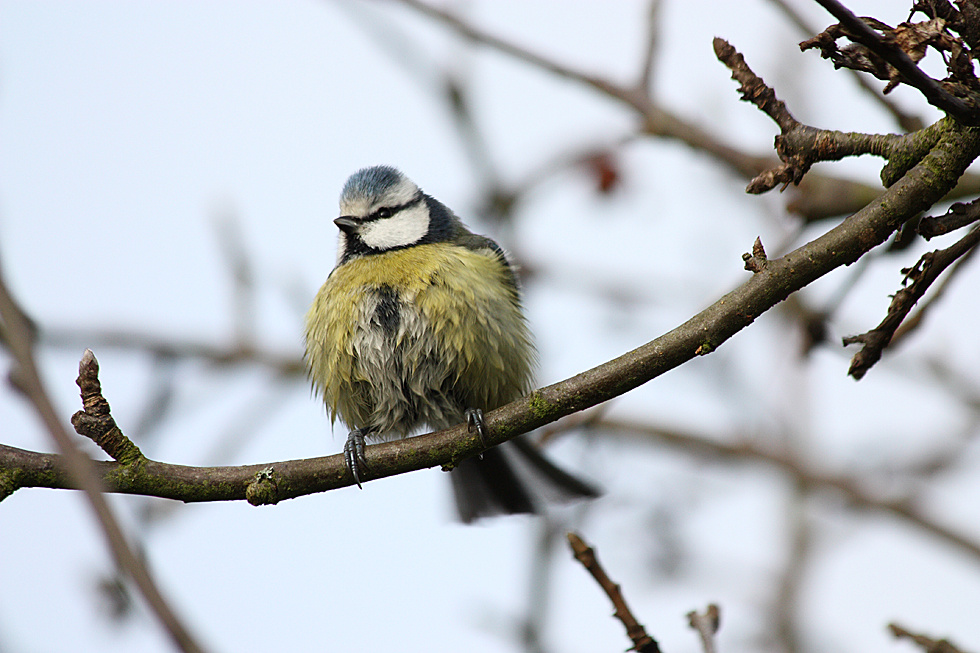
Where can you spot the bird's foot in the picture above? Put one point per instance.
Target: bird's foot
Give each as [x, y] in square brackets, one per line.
[474, 421]
[354, 454]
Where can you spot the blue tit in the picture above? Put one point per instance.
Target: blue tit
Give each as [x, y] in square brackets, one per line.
[420, 325]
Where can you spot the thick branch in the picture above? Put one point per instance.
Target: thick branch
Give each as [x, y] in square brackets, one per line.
[702, 334]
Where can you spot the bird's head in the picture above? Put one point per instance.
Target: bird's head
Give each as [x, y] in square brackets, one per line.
[381, 209]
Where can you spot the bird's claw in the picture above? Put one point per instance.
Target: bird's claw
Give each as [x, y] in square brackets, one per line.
[474, 421]
[354, 455]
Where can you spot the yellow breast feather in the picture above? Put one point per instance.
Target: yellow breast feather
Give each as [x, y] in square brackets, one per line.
[479, 330]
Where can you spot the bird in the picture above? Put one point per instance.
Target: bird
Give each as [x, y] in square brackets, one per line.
[420, 324]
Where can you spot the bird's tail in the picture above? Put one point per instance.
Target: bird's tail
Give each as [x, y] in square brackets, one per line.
[511, 479]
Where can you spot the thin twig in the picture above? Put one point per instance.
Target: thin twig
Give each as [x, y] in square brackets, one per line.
[19, 341]
[927, 644]
[95, 421]
[241, 270]
[706, 623]
[287, 365]
[912, 322]
[752, 88]
[645, 82]
[959, 215]
[911, 73]
[786, 602]
[923, 274]
[642, 642]
[799, 146]
[850, 488]
[905, 120]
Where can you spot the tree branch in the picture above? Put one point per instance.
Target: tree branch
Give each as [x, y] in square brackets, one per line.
[76, 469]
[923, 274]
[959, 215]
[927, 644]
[799, 146]
[860, 32]
[907, 121]
[585, 554]
[702, 334]
[802, 475]
[820, 199]
[706, 624]
[171, 349]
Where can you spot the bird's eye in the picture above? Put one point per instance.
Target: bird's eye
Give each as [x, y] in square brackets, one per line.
[384, 213]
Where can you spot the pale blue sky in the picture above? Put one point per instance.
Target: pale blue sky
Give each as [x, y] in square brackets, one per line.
[127, 129]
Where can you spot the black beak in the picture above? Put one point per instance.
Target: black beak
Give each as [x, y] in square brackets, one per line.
[346, 223]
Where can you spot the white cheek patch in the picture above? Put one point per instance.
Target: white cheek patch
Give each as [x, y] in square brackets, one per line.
[406, 227]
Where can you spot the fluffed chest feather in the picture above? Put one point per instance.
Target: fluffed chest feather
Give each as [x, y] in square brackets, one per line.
[416, 336]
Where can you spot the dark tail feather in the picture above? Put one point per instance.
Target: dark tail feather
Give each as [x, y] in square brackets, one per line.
[560, 483]
[488, 486]
[501, 482]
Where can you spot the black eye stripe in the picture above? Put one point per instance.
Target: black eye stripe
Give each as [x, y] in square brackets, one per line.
[392, 210]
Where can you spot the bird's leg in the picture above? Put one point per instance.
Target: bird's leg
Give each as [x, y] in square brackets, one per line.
[354, 454]
[474, 421]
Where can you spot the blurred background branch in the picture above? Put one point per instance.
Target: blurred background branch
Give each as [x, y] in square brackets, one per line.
[754, 477]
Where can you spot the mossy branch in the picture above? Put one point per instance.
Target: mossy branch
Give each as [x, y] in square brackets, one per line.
[268, 483]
